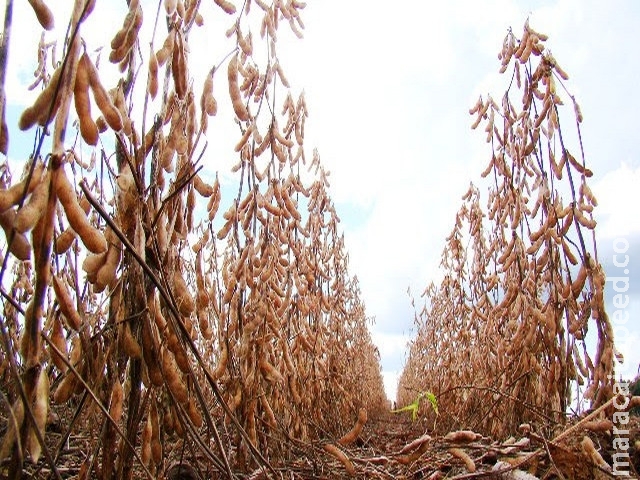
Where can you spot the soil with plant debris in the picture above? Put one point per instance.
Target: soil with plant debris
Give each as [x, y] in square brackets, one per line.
[394, 446]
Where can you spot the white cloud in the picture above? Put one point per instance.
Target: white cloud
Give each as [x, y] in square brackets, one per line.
[618, 201]
[390, 379]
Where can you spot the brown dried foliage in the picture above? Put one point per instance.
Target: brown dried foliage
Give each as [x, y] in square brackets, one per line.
[501, 340]
[235, 351]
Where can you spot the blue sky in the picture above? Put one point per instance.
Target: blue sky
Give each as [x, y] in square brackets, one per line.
[388, 86]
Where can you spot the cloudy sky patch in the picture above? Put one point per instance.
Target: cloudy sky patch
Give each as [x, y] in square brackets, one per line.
[389, 99]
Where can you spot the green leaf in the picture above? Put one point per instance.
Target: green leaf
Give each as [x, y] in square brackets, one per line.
[432, 400]
[413, 407]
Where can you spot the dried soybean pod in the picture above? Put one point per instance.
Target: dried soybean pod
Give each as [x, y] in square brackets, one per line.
[58, 340]
[353, 434]
[208, 102]
[45, 17]
[152, 86]
[177, 423]
[150, 351]
[167, 47]
[67, 387]
[173, 378]
[11, 196]
[39, 401]
[129, 344]
[340, 455]
[270, 372]
[578, 283]
[117, 397]
[30, 213]
[246, 45]
[91, 237]
[20, 246]
[45, 101]
[118, 39]
[227, 6]
[290, 206]
[178, 351]
[156, 444]
[64, 241]
[184, 299]
[234, 90]
[194, 413]
[245, 138]
[462, 436]
[462, 455]
[214, 200]
[180, 8]
[92, 263]
[179, 67]
[40, 410]
[204, 189]
[223, 357]
[88, 128]
[66, 304]
[130, 33]
[106, 274]
[117, 96]
[106, 106]
[170, 7]
[145, 449]
[590, 450]
[14, 424]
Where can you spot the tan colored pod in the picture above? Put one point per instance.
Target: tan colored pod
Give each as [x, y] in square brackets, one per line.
[184, 299]
[106, 274]
[88, 127]
[43, 13]
[117, 398]
[234, 90]
[194, 414]
[11, 196]
[129, 344]
[156, 444]
[20, 246]
[91, 237]
[102, 98]
[64, 241]
[228, 7]
[353, 434]
[66, 388]
[173, 377]
[58, 340]
[40, 410]
[341, 456]
[30, 213]
[145, 448]
[67, 305]
[152, 86]
[45, 102]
